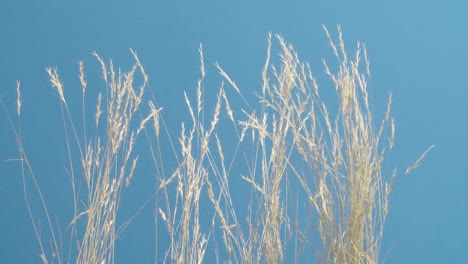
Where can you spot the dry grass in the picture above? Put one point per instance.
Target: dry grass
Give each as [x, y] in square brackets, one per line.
[107, 163]
[342, 178]
[335, 161]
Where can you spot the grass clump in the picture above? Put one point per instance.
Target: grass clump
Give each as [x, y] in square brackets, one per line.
[107, 162]
[301, 147]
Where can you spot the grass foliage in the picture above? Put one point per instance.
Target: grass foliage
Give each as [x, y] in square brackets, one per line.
[293, 145]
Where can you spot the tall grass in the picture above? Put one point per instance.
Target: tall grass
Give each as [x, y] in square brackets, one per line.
[329, 154]
[107, 163]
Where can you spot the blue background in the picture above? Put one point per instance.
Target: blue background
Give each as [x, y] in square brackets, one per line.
[418, 51]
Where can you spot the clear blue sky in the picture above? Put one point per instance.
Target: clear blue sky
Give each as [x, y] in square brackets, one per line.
[418, 51]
